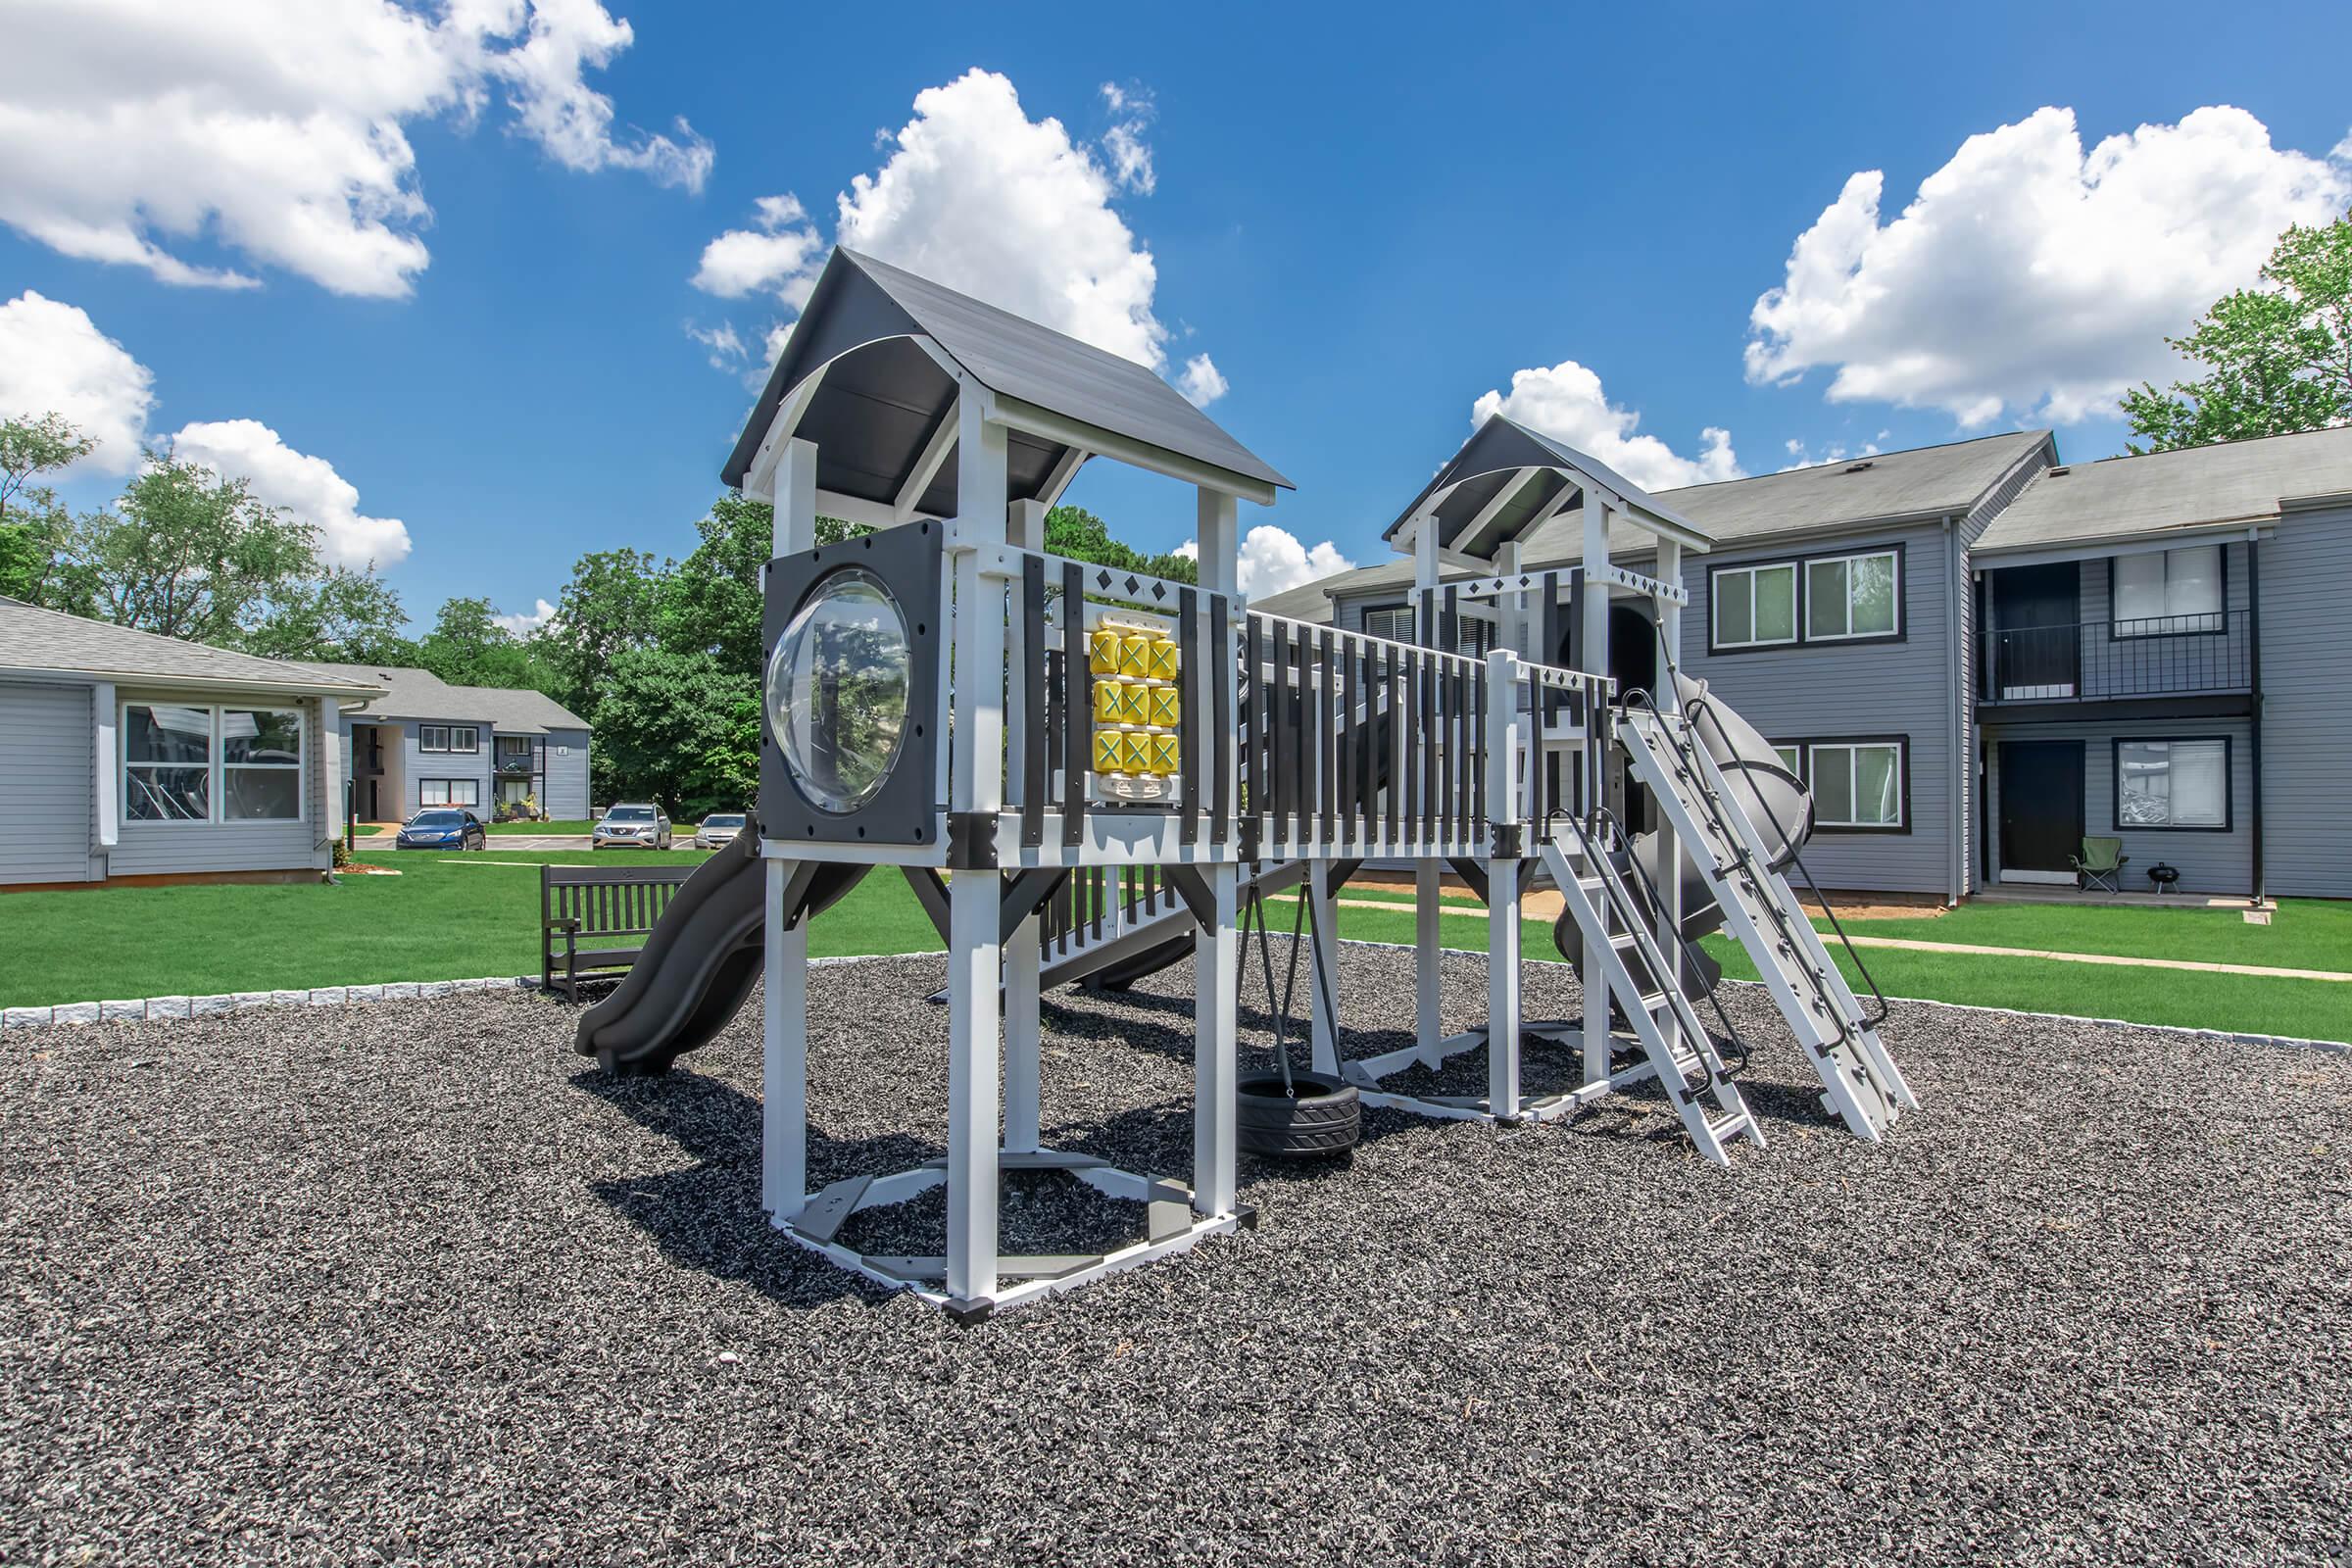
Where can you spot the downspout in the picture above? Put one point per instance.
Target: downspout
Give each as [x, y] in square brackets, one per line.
[2254, 683]
[1963, 767]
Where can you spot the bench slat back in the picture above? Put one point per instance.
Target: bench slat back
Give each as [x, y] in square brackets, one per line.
[608, 900]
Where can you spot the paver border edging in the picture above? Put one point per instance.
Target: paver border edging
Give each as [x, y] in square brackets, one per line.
[153, 1008]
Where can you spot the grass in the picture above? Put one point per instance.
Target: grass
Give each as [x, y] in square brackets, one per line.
[450, 917]
[445, 917]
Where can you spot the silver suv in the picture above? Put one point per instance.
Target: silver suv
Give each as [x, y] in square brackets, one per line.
[638, 826]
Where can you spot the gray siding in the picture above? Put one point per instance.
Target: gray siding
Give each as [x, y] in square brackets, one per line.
[1826, 691]
[2110, 677]
[567, 775]
[417, 764]
[2208, 861]
[2307, 703]
[47, 755]
[152, 849]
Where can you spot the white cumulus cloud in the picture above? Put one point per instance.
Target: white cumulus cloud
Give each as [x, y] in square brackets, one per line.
[308, 487]
[2027, 274]
[187, 138]
[53, 360]
[780, 255]
[524, 623]
[1565, 402]
[1273, 559]
[1123, 144]
[1201, 382]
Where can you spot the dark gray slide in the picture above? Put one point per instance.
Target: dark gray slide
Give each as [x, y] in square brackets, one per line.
[701, 960]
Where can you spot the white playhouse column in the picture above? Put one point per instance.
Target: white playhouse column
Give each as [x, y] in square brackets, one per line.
[977, 786]
[1504, 736]
[784, 1057]
[1670, 866]
[1593, 597]
[1023, 1070]
[1428, 883]
[1217, 946]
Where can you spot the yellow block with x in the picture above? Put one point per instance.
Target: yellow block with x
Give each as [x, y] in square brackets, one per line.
[1162, 659]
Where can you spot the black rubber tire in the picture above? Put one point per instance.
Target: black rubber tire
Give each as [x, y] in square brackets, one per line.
[1325, 1120]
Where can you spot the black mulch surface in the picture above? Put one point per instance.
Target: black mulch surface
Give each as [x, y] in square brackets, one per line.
[409, 1283]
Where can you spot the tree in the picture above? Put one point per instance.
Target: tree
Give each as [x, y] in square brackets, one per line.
[1078, 534]
[33, 527]
[2277, 356]
[468, 646]
[612, 605]
[344, 617]
[668, 728]
[713, 600]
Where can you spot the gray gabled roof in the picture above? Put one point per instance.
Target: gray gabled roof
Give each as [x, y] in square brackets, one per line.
[2118, 499]
[419, 693]
[40, 641]
[873, 415]
[1504, 456]
[1830, 498]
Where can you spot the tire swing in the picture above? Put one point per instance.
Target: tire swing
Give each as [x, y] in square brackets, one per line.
[1285, 1114]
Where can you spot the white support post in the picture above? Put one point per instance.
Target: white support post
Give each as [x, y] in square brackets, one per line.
[1670, 861]
[976, 897]
[1023, 1020]
[1510, 608]
[795, 525]
[784, 1059]
[1323, 975]
[1217, 946]
[1428, 883]
[1503, 737]
[1593, 600]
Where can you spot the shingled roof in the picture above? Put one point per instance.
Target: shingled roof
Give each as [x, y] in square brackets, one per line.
[36, 641]
[410, 692]
[2235, 482]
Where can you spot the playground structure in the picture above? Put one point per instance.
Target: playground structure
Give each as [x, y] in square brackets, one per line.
[1087, 773]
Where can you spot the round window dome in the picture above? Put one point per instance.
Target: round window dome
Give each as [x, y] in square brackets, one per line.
[838, 689]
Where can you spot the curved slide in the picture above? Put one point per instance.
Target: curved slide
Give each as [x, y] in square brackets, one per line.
[700, 961]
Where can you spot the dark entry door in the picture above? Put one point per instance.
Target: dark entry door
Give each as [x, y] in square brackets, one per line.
[2037, 644]
[2041, 805]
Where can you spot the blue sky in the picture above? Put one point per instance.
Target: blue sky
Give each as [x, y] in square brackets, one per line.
[1367, 221]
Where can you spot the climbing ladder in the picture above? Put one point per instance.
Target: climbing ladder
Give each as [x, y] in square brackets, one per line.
[1860, 1081]
[1641, 981]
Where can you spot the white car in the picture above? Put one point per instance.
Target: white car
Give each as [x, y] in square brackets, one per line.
[635, 826]
[718, 830]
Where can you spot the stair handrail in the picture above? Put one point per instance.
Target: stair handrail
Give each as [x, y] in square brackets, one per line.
[1869, 1019]
[1689, 949]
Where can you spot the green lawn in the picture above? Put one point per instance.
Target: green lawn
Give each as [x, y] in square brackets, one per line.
[445, 917]
[449, 917]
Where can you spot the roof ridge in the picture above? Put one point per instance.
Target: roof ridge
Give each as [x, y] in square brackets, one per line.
[2215, 446]
[1860, 457]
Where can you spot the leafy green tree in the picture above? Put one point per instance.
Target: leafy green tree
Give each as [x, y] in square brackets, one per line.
[468, 646]
[344, 617]
[2277, 356]
[33, 528]
[713, 600]
[1078, 534]
[660, 718]
[612, 604]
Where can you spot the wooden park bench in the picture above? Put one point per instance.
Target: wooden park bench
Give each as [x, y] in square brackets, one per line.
[594, 919]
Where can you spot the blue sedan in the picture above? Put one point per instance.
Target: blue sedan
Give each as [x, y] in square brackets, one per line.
[443, 830]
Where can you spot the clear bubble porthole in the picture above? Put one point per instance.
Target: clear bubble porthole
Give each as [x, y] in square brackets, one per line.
[838, 690]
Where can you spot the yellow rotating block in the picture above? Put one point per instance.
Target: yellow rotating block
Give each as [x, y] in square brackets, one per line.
[1102, 653]
[1111, 701]
[1135, 657]
[1163, 755]
[1110, 750]
[1135, 753]
[1162, 707]
[1163, 662]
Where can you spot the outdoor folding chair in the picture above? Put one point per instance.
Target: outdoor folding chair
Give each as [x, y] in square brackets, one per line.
[2100, 864]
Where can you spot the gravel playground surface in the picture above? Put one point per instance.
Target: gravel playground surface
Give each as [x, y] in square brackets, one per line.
[409, 1283]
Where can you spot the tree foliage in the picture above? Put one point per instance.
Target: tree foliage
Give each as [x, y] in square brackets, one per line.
[1078, 534]
[2277, 356]
[33, 528]
[665, 730]
[468, 646]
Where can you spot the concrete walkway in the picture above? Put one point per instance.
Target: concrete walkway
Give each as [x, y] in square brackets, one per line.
[2265, 971]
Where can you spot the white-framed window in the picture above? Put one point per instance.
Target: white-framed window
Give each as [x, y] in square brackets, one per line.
[448, 792]
[2164, 593]
[2175, 784]
[1853, 596]
[1857, 784]
[1753, 607]
[219, 763]
[1792, 758]
[1474, 636]
[448, 738]
[512, 747]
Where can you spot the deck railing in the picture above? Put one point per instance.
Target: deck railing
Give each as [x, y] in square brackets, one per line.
[2097, 661]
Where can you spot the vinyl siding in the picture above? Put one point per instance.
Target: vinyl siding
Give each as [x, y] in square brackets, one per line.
[2306, 714]
[567, 775]
[2209, 862]
[1825, 691]
[152, 849]
[417, 764]
[47, 752]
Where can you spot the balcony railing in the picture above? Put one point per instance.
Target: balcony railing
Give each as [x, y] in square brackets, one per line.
[2097, 661]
